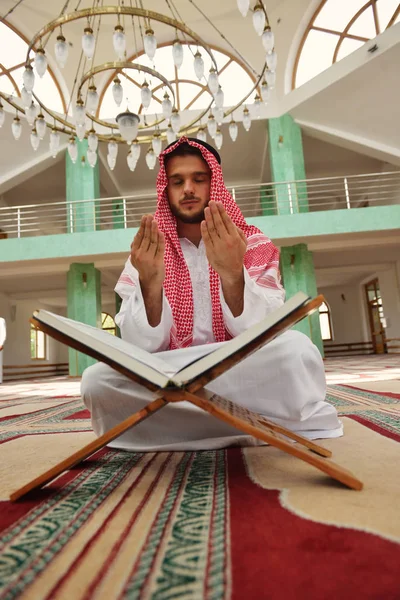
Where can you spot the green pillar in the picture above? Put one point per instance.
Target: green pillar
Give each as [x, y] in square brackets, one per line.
[287, 165]
[118, 213]
[83, 183]
[297, 269]
[268, 200]
[118, 302]
[84, 304]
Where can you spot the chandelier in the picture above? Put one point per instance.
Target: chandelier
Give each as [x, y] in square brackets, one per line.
[132, 29]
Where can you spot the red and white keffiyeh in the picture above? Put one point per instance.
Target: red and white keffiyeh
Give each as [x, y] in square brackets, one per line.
[261, 259]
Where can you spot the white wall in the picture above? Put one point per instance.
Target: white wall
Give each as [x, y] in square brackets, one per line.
[17, 346]
[350, 316]
[390, 292]
[346, 315]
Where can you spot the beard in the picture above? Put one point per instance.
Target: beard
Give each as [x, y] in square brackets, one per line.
[194, 217]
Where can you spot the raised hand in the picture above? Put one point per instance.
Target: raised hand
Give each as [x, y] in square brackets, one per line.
[147, 253]
[225, 243]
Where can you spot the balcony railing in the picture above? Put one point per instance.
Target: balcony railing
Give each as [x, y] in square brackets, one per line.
[266, 199]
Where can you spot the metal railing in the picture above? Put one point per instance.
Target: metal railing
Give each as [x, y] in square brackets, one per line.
[265, 199]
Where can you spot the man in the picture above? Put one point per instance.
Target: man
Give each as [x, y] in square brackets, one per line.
[2, 340]
[198, 275]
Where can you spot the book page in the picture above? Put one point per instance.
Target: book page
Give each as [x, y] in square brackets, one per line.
[135, 359]
[196, 368]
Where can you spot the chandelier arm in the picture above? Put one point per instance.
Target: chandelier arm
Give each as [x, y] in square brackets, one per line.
[4, 17]
[225, 38]
[170, 4]
[255, 87]
[120, 10]
[119, 66]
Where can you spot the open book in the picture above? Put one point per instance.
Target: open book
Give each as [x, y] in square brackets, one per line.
[150, 368]
[187, 384]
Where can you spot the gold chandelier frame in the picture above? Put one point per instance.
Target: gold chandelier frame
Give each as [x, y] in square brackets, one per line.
[118, 66]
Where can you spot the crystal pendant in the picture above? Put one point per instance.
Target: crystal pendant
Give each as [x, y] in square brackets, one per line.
[128, 124]
[233, 130]
[92, 157]
[219, 98]
[61, 51]
[150, 43]
[213, 82]
[41, 126]
[171, 135]
[80, 113]
[246, 119]
[257, 106]
[35, 140]
[31, 113]
[92, 100]
[93, 140]
[272, 60]
[156, 142]
[2, 115]
[135, 150]
[201, 134]
[72, 149]
[40, 62]
[54, 142]
[111, 161]
[177, 54]
[80, 131]
[28, 77]
[113, 148]
[175, 121]
[219, 114]
[166, 106]
[117, 91]
[88, 42]
[198, 65]
[132, 162]
[265, 91]
[270, 76]
[16, 128]
[151, 159]
[212, 125]
[119, 41]
[259, 19]
[219, 138]
[145, 94]
[243, 6]
[26, 97]
[268, 39]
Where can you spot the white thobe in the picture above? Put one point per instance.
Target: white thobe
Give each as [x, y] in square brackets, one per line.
[2, 340]
[283, 381]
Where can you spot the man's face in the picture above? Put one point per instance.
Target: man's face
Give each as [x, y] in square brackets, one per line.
[188, 189]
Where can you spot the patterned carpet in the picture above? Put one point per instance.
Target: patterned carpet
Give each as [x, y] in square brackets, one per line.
[236, 523]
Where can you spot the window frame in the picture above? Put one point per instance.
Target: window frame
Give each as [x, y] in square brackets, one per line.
[326, 311]
[35, 330]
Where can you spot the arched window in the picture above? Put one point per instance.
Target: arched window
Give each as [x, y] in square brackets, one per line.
[38, 344]
[13, 52]
[325, 322]
[336, 31]
[190, 94]
[108, 323]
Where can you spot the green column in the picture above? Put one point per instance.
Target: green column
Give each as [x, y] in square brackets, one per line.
[118, 302]
[84, 304]
[287, 164]
[83, 183]
[297, 269]
[118, 213]
[268, 200]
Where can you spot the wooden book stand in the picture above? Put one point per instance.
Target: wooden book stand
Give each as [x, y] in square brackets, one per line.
[245, 420]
